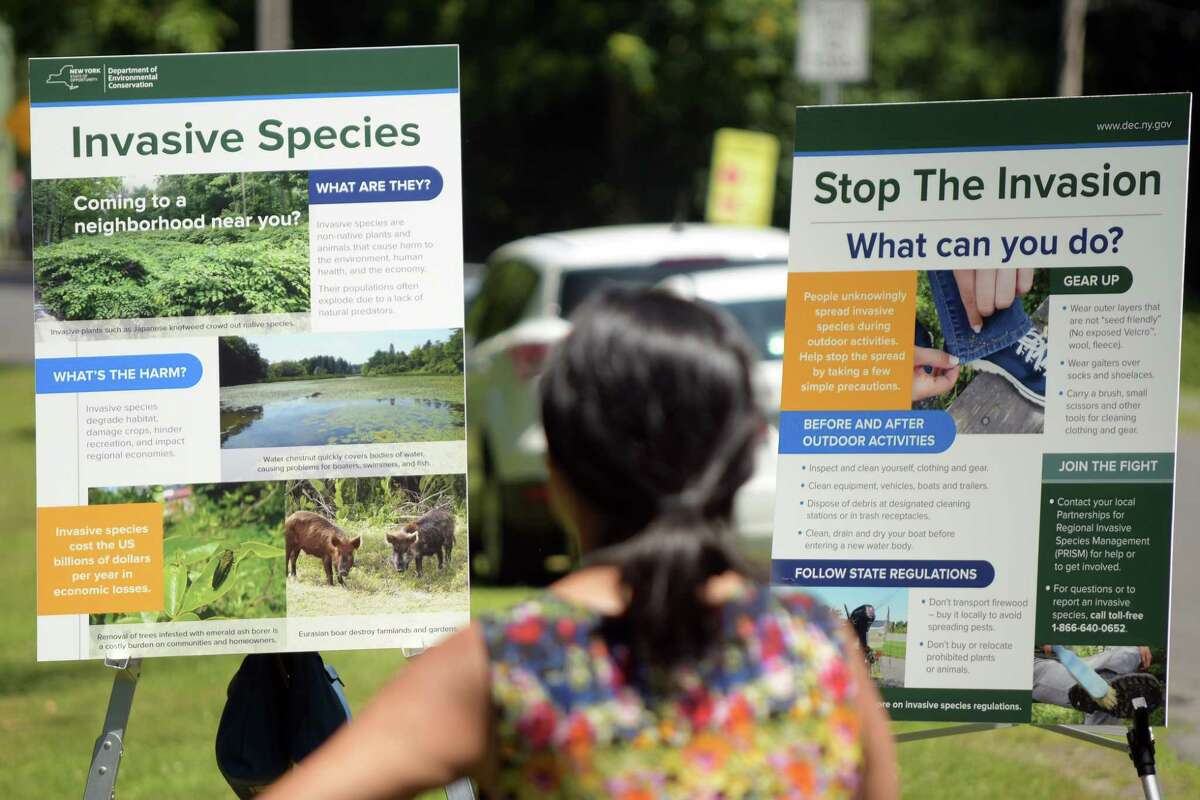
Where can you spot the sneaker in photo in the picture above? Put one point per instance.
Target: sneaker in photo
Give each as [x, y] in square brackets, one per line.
[1022, 364]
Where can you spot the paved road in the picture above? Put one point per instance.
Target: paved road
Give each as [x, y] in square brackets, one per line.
[891, 671]
[16, 322]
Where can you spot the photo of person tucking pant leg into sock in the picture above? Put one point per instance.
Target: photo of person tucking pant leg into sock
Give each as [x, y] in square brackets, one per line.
[984, 325]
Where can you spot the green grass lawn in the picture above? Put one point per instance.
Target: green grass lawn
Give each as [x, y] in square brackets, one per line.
[896, 648]
[50, 714]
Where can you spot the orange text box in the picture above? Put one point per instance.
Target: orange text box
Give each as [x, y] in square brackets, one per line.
[848, 341]
[100, 559]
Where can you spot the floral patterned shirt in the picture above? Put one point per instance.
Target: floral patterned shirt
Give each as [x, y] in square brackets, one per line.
[769, 714]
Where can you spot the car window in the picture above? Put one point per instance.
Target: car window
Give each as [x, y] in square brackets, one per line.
[577, 284]
[504, 294]
[763, 322]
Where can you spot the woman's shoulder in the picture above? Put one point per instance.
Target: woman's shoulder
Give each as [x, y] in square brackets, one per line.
[803, 607]
[537, 622]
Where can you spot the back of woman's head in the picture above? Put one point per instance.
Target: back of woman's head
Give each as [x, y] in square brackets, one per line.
[649, 413]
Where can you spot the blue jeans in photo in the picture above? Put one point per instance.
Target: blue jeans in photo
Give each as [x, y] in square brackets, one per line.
[1002, 329]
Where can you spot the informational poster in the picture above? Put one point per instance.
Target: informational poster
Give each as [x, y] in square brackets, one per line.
[249, 352]
[980, 388]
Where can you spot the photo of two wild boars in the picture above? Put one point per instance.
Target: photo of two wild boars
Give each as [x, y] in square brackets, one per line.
[370, 532]
[306, 531]
[432, 534]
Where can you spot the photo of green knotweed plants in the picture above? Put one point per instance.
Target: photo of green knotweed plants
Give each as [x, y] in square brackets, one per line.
[171, 246]
[222, 550]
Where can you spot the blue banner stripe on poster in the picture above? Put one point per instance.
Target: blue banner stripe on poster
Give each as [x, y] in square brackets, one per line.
[908, 573]
[116, 373]
[374, 185]
[804, 432]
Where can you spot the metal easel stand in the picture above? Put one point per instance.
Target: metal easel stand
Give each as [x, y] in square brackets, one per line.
[106, 754]
[1139, 742]
[110, 746]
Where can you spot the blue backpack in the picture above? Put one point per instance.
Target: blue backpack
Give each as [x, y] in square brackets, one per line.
[278, 709]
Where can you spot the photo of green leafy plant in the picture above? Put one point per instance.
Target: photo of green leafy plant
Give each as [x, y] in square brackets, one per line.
[296, 390]
[222, 550]
[227, 243]
[372, 508]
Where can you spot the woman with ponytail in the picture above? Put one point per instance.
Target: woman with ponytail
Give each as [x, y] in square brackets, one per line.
[664, 667]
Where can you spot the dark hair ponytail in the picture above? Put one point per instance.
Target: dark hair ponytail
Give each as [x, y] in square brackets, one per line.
[649, 413]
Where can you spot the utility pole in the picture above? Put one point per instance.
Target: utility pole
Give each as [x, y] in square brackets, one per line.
[1074, 27]
[273, 25]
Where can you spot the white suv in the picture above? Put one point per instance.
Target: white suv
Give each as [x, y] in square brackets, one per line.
[529, 287]
[756, 296]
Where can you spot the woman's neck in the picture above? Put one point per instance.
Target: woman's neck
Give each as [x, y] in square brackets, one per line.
[599, 589]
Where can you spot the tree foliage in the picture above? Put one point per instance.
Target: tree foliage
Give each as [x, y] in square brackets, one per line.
[430, 358]
[222, 194]
[239, 361]
[384, 501]
[584, 112]
[53, 203]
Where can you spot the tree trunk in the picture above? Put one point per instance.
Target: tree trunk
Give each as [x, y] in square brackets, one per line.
[1074, 26]
[625, 208]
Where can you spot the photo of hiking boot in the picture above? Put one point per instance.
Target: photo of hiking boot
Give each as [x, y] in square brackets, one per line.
[1022, 364]
[1128, 687]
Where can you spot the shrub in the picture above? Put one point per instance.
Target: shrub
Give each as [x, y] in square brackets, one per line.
[190, 273]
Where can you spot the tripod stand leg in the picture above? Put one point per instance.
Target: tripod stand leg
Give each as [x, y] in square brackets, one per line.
[460, 790]
[1141, 749]
[106, 754]
[1150, 787]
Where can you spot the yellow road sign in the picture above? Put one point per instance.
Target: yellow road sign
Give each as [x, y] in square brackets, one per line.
[17, 123]
[741, 184]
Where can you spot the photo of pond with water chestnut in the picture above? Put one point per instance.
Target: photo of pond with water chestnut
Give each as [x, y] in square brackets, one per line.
[354, 410]
[393, 395]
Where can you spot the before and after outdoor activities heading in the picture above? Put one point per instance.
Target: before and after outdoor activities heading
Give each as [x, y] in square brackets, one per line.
[249, 352]
[987, 497]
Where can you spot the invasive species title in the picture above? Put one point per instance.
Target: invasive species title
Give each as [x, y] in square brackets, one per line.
[937, 184]
[273, 135]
